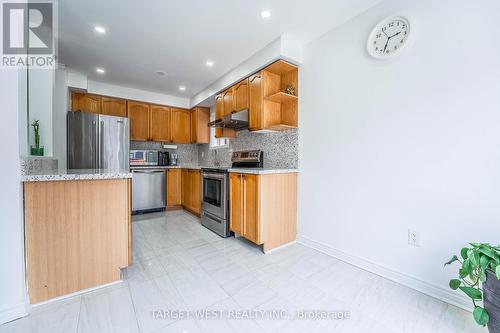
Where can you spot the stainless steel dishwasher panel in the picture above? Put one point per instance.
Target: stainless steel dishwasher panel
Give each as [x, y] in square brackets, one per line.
[148, 189]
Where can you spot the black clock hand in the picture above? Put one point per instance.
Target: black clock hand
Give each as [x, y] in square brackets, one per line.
[395, 35]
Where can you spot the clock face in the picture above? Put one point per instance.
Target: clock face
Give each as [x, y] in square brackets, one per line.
[388, 37]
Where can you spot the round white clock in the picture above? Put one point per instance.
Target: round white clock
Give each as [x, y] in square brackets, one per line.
[388, 37]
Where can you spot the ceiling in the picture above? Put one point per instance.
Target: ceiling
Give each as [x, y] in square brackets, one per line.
[178, 37]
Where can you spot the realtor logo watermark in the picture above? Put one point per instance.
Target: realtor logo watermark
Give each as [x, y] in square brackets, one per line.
[28, 34]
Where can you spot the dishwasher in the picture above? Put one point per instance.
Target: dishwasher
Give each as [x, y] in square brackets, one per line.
[148, 190]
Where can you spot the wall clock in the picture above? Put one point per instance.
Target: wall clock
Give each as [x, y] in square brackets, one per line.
[388, 37]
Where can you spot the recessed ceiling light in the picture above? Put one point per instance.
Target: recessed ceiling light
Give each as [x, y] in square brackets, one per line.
[209, 63]
[182, 88]
[161, 73]
[100, 70]
[100, 29]
[265, 14]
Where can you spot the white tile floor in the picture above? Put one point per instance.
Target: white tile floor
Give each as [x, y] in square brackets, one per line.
[180, 265]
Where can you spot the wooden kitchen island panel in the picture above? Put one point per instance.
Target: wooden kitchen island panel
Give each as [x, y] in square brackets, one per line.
[77, 235]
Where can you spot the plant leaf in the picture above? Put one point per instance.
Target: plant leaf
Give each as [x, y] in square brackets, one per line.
[497, 271]
[473, 293]
[482, 276]
[481, 316]
[452, 260]
[463, 253]
[488, 252]
[484, 262]
[455, 283]
[474, 258]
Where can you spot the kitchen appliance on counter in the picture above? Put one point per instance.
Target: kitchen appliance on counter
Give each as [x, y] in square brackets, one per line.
[143, 158]
[148, 180]
[163, 158]
[173, 159]
[215, 191]
[96, 141]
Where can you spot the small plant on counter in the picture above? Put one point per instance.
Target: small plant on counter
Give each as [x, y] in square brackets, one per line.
[36, 150]
[479, 278]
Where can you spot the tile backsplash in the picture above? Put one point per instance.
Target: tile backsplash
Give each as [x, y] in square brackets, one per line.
[281, 149]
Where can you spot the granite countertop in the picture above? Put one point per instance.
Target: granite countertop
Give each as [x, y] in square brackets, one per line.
[262, 171]
[189, 166]
[76, 174]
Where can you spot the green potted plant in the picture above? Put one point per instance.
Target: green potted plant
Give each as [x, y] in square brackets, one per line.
[479, 278]
[36, 150]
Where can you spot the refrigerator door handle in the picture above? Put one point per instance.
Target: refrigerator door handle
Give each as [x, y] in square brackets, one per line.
[101, 144]
[94, 138]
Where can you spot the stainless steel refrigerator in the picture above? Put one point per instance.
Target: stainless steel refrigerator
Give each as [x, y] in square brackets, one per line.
[97, 141]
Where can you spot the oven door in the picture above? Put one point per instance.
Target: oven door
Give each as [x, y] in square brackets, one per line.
[214, 194]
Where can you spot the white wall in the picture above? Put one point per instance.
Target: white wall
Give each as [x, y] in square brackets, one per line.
[412, 142]
[12, 294]
[107, 89]
[41, 89]
[60, 108]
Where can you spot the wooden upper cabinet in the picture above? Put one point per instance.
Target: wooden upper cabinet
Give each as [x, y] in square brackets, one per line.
[113, 106]
[85, 102]
[255, 117]
[236, 203]
[200, 132]
[181, 125]
[227, 98]
[138, 114]
[250, 201]
[174, 187]
[219, 106]
[240, 95]
[160, 123]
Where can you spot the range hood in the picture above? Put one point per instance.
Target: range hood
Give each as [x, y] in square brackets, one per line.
[237, 121]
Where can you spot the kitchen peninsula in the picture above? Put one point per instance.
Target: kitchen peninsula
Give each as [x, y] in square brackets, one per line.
[77, 230]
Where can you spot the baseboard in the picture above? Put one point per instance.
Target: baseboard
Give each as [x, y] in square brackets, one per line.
[76, 293]
[13, 313]
[427, 288]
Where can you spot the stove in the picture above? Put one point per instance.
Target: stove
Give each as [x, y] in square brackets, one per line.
[215, 190]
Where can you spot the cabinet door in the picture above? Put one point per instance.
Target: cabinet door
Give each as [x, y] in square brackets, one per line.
[195, 191]
[255, 119]
[138, 114]
[200, 117]
[235, 203]
[186, 188]
[228, 101]
[181, 125]
[219, 106]
[174, 187]
[160, 123]
[113, 106]
[85, 102]
[251, 208]
[240, 95]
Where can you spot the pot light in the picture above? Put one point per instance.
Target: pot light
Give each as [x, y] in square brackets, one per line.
[182, 88]
[100, 70]
[100, 29]
[161, 73]
[209, 63]
[265, 14]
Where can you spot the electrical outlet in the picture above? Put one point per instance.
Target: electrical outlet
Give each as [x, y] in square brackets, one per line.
[413, 238]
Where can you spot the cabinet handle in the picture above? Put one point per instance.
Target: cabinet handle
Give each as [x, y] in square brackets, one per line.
[255, 77]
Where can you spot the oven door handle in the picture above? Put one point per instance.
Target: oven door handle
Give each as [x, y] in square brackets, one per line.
[214, 175]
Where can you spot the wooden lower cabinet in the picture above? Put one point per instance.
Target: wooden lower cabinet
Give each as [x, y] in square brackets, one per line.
[77, 235]
[191, 190]
[174, 188]
[263, 208]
